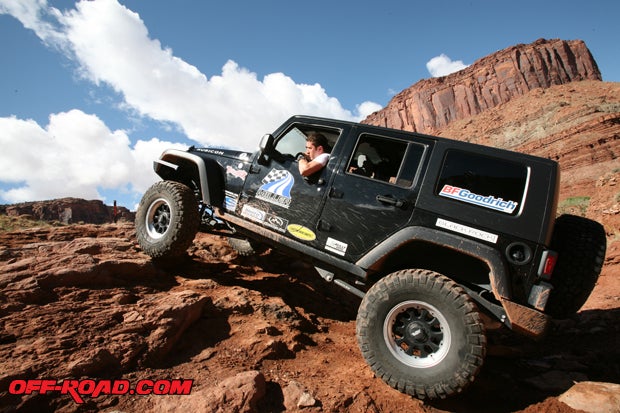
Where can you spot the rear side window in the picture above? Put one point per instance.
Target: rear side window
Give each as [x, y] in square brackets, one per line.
[483, 181]
[385, 159]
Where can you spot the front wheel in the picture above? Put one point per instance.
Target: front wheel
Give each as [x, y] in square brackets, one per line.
[167, 219]
[421, 333]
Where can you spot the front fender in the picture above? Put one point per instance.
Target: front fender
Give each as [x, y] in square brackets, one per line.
[189, 168]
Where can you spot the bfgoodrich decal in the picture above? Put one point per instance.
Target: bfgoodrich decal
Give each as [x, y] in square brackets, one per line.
[488, 201]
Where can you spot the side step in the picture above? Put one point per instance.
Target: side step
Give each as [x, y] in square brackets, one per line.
[329, 277]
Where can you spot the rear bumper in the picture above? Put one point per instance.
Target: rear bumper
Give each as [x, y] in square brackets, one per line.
[526, 320]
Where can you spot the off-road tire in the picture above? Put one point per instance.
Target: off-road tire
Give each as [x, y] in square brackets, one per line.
[167, 220]
[421, 333]
[580, 244]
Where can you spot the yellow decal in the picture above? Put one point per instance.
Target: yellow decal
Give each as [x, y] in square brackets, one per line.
[301, 232]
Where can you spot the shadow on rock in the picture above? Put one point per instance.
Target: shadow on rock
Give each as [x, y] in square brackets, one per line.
[519, 372]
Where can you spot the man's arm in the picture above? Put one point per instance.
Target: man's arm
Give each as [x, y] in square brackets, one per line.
[308, 168]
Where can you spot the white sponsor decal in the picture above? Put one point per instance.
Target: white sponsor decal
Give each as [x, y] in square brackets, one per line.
[276, 222]
[465, 230]
[462, 194]
[253, 213]
[335, 246]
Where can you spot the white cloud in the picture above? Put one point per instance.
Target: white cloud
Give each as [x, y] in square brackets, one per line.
[442, 65]
[77, 155]
[111, 45]
[74, 155]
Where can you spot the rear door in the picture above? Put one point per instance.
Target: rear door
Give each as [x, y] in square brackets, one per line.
[373, 193]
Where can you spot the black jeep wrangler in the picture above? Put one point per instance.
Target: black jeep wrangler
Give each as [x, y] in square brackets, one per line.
[430, 233]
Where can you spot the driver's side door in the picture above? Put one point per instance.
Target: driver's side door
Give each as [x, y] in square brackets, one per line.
[276, 196]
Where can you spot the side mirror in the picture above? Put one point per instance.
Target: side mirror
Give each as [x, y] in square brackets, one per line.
[266, 143]
[266, 149]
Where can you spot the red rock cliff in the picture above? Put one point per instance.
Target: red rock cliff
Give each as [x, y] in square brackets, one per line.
[432, 103]
[69, 211]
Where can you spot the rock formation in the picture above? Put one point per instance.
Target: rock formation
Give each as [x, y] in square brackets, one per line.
[433, 103]
[69, 211]
[253, 334]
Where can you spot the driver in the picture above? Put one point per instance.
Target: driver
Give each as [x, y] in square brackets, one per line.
[316, 156]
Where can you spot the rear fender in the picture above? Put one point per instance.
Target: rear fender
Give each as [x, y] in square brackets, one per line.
[497, 269]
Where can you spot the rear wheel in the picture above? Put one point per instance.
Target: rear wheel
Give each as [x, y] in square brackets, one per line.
[421, 333]
[580, 244]
[167, 219]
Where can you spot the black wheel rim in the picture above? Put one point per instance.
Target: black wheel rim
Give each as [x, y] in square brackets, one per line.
[417, 334]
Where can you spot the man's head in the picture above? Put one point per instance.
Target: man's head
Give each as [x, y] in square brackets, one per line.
[316, 144]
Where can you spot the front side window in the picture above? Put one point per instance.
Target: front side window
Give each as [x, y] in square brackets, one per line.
[294, 140]
[483, 181]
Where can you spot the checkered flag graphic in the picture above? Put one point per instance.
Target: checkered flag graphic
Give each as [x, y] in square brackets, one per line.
[275, 175]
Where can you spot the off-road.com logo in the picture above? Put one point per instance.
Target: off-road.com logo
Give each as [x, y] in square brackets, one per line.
[95, 388]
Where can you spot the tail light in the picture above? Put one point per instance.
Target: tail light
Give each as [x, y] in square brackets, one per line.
[547, 264]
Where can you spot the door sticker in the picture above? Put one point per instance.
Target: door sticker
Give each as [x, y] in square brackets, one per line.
[276, 188]
[230, 201]
[335, 246]
[276, 222]
[265, 218]
[252, 213]
[301, 232]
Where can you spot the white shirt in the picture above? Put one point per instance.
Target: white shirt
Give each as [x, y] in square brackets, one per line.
[322, 159]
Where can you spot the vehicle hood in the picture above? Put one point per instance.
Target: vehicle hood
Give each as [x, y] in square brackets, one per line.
[226, 153]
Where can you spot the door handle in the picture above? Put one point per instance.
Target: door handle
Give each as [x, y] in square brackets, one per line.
[335, 193]
[388, 199]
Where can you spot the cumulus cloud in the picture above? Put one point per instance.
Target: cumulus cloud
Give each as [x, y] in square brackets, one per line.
[111, 45]
[442, 65]
[74, 155]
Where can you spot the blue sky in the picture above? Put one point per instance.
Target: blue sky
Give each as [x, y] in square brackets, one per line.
[92, 91]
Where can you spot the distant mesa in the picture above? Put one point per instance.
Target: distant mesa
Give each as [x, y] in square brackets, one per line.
[431, 104]
[70, 211]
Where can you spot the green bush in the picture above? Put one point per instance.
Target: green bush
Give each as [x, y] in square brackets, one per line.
[576, 205]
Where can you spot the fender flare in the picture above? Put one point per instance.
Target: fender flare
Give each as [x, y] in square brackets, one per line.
[498, 273]
[209, 173]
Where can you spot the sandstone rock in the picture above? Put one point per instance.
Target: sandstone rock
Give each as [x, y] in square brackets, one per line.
[167, 317]
[240, 393]
[592, 397]
[433, 103]
[69, 211]
[296, 396]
